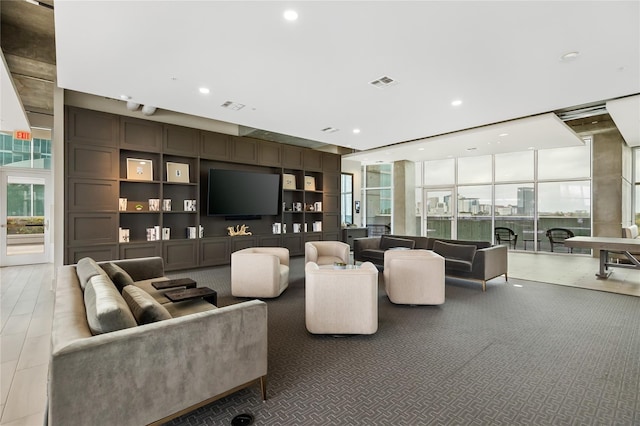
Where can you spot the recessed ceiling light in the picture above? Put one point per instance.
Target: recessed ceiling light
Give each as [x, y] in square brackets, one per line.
[457, 102]
[125, 97]
[472, 149]
[290, 15]
[503, 134]
[204, 90]
[532, 147]
[570, 55]
[356, 131]
[420, 149]
[330, 129]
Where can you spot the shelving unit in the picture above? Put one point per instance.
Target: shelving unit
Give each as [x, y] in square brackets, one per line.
[97, 146]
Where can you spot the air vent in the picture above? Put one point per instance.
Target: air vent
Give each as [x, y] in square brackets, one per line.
[330, 130]
[383, 82]
[232, 105]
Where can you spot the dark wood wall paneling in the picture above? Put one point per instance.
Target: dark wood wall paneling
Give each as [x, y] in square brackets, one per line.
[97, 146]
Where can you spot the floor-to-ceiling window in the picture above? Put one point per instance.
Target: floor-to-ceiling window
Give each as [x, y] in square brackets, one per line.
[377, 198]
[346, 198]
[529, 193]
[636, 186]
[25, 187]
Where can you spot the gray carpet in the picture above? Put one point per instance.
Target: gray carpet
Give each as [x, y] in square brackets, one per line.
[539, 354]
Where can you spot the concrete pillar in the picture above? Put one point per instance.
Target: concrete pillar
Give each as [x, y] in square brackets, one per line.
[404, 198]
[608, 180]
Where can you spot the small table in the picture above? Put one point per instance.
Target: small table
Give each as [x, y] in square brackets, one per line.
[178, 282]
[181, 295]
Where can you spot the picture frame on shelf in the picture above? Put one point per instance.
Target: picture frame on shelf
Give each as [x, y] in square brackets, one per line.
[288, 181]
[309, 183]
[177, 172]
[139, 169]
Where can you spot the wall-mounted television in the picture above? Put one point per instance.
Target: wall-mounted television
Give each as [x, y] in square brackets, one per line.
[236, 193]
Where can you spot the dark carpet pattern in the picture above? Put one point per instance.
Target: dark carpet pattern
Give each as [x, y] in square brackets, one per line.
[539, 354]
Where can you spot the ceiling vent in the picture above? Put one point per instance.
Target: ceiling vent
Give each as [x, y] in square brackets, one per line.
[583, 112]
[232, 105]
[383, 82]
[330, 130]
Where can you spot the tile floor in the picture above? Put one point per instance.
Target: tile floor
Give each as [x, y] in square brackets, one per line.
[26, 294]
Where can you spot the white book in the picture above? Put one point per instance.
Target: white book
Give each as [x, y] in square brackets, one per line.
[166, 233]
[123, 235]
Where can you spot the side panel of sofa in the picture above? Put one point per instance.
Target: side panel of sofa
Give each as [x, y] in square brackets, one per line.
[490, 262]
[360, 244]
[143, 374]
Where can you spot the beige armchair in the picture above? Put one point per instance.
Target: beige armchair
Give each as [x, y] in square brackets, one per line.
[341, 301]
[259, 272]
[414, 277]
[326, 252]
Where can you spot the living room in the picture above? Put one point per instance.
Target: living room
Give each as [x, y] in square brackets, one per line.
[345, 390]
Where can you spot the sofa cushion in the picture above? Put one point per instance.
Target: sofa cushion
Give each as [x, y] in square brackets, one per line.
[87, 268]
[144, 307]
[118, 276]
[458, 252]
[147, 286]
[390, 242]
[107, 311]
[188, 307]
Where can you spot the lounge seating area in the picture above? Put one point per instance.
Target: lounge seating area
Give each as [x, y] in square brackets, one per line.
[473, 260]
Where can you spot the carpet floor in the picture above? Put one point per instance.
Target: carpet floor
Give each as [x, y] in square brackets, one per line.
[523, 353]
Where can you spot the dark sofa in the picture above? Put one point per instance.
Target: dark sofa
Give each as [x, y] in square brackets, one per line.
[473, 260]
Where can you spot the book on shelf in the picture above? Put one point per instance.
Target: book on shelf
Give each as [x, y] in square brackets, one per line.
[123, 235]
[191, 232]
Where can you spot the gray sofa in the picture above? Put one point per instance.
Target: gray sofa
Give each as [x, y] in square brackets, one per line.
[472, 260]
[150, 373]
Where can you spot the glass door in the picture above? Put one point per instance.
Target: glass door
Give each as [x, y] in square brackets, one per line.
[24, 216]
[438, 213]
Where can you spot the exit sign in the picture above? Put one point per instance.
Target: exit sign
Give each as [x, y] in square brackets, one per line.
[22, 135]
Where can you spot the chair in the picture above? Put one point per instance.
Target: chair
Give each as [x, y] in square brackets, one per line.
[414, 277]
[557, 236]
[505, 236]
[326, 252]
[259, 272]
[341, 301]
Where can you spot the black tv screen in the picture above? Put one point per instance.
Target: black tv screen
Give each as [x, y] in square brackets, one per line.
[241, 193]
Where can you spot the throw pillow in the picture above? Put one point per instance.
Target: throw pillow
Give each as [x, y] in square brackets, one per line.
[106, 309]
[144, 307]
[119, 276]
[87, 268]
[455, 251]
